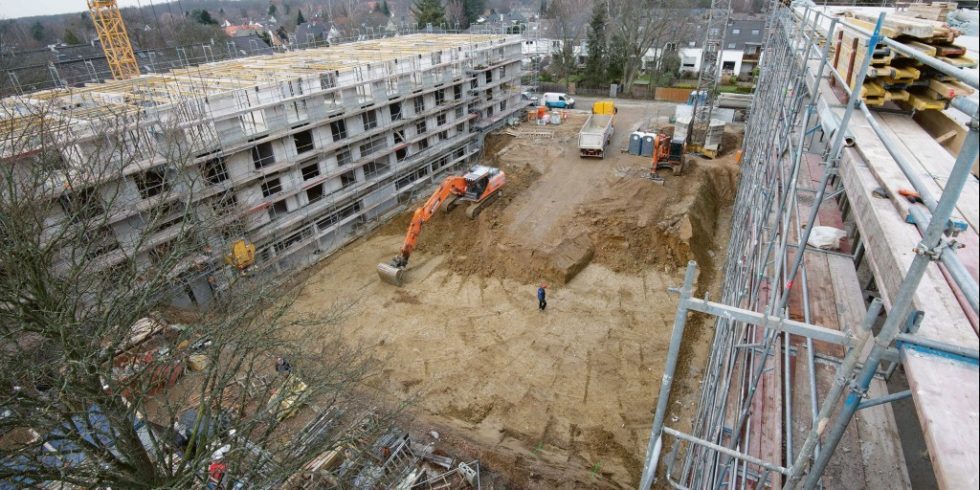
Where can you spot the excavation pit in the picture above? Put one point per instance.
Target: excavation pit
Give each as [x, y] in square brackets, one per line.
[542, 398]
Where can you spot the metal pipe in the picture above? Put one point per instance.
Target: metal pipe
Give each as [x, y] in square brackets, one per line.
[881, 400]
[853, 101]
[938, 345]
[962, 277]
[777, 323]
[680, 319]
[969, 78]
[927, 251]
[964, 105]
[830, 402]
[724, 450]
[810, 355]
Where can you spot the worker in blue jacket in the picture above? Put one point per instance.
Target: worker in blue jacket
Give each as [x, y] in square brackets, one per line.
[541, 297]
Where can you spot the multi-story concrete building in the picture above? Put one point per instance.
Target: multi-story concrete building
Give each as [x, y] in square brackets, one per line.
[306, 148]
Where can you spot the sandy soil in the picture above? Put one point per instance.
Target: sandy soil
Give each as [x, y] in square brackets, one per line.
[561, 398]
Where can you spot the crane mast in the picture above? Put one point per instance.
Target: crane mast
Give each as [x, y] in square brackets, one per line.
[704, 98]
[115, 41]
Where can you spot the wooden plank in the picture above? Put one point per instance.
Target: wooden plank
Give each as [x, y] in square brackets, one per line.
[881, 448]
[936, 166]
[938, 123]
[847, 293]
[889, 242]
[950, 89]
[950, 435]
[946, 396]
[944, 138]
[844, 468]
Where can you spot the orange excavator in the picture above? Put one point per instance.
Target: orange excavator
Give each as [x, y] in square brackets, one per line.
[480, 186]
[668, 153]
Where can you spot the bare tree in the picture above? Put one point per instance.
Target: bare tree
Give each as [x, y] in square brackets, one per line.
[456, 13]
[568, 27]
[641, 25]
[105, 385]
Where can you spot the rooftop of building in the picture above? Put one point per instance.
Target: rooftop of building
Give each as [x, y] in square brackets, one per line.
[116, 98]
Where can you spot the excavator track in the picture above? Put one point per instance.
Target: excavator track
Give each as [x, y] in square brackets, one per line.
[449, 203]
[476, 208]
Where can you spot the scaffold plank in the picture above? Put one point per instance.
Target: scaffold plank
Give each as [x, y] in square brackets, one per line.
[946, 398]
[934, 162]
[881, 447]
[889, 242]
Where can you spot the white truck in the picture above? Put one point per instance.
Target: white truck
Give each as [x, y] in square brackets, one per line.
[595, 135]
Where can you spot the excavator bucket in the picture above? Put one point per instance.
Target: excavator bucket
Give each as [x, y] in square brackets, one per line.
[391, 274]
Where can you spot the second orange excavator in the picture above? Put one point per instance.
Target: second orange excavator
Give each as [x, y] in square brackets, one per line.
[481, 186]
[668, 153]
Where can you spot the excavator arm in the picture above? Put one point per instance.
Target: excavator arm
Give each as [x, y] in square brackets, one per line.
[450, 188]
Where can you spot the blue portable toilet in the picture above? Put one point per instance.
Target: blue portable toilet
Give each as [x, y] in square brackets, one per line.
[636, 143]
[646, 148]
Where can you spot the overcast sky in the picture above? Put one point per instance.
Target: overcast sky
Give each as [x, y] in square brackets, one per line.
[10, 9]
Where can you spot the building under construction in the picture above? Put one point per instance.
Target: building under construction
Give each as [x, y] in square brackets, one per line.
[808, 334]
[308, 148]
[849, 281]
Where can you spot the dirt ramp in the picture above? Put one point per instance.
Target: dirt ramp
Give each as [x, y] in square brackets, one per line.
[555, 265]
[570, 257]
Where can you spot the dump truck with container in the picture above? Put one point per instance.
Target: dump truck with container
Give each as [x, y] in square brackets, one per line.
[596, 133]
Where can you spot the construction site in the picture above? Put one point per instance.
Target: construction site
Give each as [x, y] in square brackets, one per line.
[783, 299]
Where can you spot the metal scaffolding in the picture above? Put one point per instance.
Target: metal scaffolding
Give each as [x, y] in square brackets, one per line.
[767, 262]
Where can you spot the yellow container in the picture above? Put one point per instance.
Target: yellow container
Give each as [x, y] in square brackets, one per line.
[604, 107]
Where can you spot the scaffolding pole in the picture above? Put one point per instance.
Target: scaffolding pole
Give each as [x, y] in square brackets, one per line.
[767, 259]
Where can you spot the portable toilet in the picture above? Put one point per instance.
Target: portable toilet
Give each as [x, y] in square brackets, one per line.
[636, 142]
[646, 148]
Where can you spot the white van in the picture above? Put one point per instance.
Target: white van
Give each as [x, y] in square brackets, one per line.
[558, 100]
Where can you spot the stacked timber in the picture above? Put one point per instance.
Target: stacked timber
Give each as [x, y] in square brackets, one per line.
[893, 77]
[931, 11]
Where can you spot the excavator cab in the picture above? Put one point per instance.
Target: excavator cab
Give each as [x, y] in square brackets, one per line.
[668, 153]
[477, 180]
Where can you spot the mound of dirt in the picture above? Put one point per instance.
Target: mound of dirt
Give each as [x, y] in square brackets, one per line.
[647, 224]
[633, 225]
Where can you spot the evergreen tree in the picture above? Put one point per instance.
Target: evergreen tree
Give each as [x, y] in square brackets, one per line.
[384, 9]
[595, 64]
[543, 10]
[299, 17]
[203, 17]
[71, 37]
[473, 9]
[615, 58]
[37, 31]
[266, 38]
[272, 8]
[428, 12]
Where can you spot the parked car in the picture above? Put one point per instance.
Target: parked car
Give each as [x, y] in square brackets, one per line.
[529, 97]
[558, 100]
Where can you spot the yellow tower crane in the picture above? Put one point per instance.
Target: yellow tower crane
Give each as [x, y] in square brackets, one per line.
[115, 41]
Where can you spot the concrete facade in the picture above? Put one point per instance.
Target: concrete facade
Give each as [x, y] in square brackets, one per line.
[300, 152]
